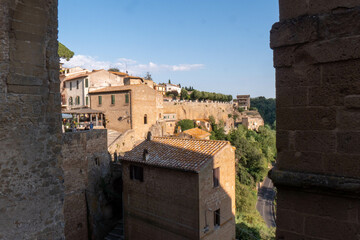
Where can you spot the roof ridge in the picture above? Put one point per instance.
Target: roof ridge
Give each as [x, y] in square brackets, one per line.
[205, 140]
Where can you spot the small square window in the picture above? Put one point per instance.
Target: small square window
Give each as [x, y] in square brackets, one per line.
[136, 173]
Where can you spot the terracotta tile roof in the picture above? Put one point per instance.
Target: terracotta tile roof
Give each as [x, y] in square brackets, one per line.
[197, 133]
[134, 77]
[119, 73]
[75, 76]
[118, 88]
[175, 153]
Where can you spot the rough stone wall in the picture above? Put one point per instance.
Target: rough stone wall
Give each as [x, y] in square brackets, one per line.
[317, 61]
[164, 206]
[85, 163]
[198, 110]
[124, 143]
[31, 178]
[221, 197]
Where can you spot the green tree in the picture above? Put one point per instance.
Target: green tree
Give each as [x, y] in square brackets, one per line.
[266, 108]
[148, 76]
[185, 124]
[184, 95]
[64, 52]
[113, 70]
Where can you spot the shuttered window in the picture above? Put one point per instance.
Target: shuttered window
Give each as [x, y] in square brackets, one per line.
[100, 100]
[112, 99]
[126, 98]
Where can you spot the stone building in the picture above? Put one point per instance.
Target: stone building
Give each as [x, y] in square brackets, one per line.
[169, 123]
[161, 88]
[252, 122]
[204, 124]
[317, 61]
[128, 107]
[76, 87]
[179, 189]
[195, 133]
[169, 87]
[243, 101]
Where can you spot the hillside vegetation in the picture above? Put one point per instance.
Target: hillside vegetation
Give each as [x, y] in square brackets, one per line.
[255, 151]
[266, 108]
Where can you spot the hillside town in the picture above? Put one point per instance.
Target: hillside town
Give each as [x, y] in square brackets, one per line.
[145, 140]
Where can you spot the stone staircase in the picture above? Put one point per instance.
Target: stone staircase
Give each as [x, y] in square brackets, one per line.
[117, 233]
[112, 136]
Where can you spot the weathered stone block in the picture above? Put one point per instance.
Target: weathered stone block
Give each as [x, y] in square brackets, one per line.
[300, 161]
[294, 31]
[340, 24]
[298, 75]
[348, 142]
[315, 141]
[292, 9]
[345, 73]
[291, 221]
[304, 118]
[347, 165]
[348, 119]
[352, 101]
[330, 228]
[292, 96]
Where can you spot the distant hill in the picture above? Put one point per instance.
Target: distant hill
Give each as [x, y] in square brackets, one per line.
[266, 108]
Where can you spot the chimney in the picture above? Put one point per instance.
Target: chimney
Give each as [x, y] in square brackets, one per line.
[149, 136]
[145, 155]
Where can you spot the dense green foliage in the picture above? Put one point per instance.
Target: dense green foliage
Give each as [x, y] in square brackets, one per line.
[184, 95]
[113, 70]
[255, 151]
[185, 124]
[201, 95]
[64, 52]
[266, 108]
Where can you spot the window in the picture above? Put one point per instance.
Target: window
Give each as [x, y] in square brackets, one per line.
[64, 84]
[87, 100]
[86, 82]
[145, 119]
[217, 218]
[126, 98]
[216, 176]
[97, 161]
[77, 84]
[113, 99]
[70, 86]
[77, 100]
[136, 173]
[100, 100]
[70, 101]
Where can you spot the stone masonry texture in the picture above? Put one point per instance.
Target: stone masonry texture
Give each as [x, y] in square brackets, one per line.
[316, 47]
[85, 163]
[31, 178]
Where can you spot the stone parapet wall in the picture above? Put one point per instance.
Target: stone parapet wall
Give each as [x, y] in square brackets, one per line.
[31, 178]
[86, 163]
[317, 61]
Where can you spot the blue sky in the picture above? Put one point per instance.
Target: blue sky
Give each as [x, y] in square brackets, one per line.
[212, 45]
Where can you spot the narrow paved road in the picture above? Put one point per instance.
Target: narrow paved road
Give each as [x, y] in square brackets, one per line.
[264, 204]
